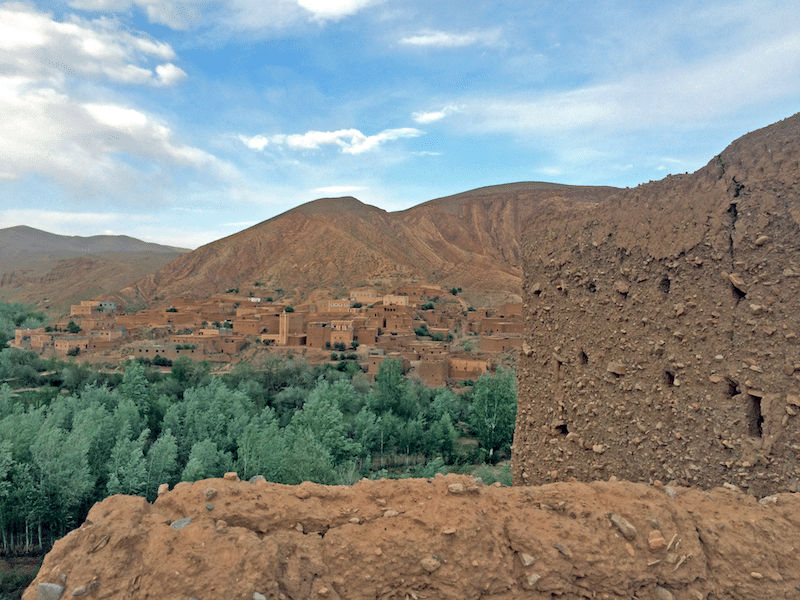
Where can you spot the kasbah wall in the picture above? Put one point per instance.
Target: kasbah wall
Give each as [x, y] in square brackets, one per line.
[661, 329]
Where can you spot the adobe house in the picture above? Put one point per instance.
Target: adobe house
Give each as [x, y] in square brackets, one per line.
[500, 343]
[433, 371]
[64, 345]
[463, 367]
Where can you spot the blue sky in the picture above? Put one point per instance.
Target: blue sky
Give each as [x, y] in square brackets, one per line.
[182, 121]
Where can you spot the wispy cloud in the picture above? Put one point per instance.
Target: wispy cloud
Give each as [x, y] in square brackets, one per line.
[350, 141]
[445, 39]
[233, 15]
[424, 118]
[691, 94]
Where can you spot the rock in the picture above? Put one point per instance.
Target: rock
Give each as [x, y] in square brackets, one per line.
[532, 579]
[231, 476]
[737, 282]
[180, 523]
[79, 591]
[49, 591]
[302, 493]
[390, 513]
[256, 479]
[621, 287]
[259, 596]
[662, 593]
[617, 368]
[627, 530]
[656, 541]
[163, 489]
[526, 559]
[209, 506]
[756, 575]
[762, 239]
[354, 520]
[793, 399]
[598, 448]
[456, 488]
[210, 493]
[430, 564]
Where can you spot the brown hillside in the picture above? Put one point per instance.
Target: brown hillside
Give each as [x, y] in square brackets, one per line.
[662, 328]
[53, 271]
[470, 240]
[439, 539]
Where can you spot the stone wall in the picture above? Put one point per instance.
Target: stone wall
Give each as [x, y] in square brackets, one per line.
[662, 328]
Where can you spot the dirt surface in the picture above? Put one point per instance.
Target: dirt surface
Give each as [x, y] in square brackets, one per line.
[662, 328]
[442, 538]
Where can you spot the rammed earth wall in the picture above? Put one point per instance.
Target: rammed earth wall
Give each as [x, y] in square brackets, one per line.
[661, 328]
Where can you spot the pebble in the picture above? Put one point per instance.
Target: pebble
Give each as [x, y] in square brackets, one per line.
[656, 541]
[209, 506]
[355, 520]
[533, 578]
[756, 575]
[390, 513]
[662, 593]
[79, 591]
[180, 523]
[231, 476]
[627, 530]
[210, 493]
[430, 564]
[449, 531]
[49, 591]
[527, 559]
[259, 596]
[670, 491]
[456, 488]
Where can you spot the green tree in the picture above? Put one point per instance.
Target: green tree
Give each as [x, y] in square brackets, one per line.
[127, 470]
[493, 411]
[392, 392]
[206, 460]
[161, 463]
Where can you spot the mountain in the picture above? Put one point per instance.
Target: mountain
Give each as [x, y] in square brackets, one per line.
[469, 240]
[53, 271]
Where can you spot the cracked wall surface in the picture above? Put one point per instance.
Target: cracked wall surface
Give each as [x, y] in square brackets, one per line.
[443, 538]
[662, 328]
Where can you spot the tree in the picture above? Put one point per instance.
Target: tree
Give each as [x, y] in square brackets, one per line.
[161, 463]
[127, 470]
[392, 392]
[493, 411]
[73, 327]
[206, 460]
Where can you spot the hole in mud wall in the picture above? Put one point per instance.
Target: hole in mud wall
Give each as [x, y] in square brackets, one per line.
[562, 429]
[669, 377]
[592, 287]
[755, 420]
[665, 284]
[583, 357]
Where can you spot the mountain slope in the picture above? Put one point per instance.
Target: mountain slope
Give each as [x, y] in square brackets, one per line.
[469, 240]
[53, 271]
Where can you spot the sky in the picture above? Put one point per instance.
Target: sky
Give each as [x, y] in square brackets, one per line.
[183, 121]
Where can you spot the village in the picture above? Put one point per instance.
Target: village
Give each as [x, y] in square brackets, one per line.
[439, 338]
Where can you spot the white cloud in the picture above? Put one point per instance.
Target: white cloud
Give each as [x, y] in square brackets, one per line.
[334, 9]
[431, 117]
[36, 44]
[350, 141]
[233, 15]
[444, 39]
[691, 94]
[339, 190]
[46, 128]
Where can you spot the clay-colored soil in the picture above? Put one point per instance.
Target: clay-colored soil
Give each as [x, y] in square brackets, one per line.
[662, 328]
[471, 240]
[437, 539]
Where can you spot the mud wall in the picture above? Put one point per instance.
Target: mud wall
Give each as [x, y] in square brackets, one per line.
[661, 328]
